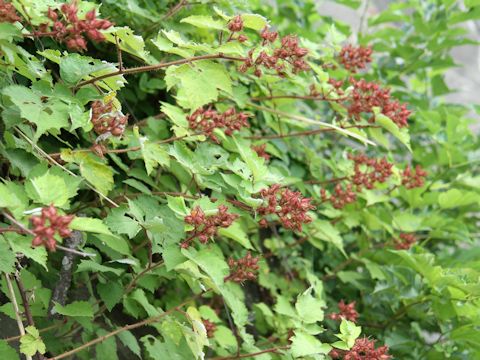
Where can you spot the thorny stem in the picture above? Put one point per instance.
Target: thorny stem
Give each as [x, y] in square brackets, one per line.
[122, 329]
[141, 69]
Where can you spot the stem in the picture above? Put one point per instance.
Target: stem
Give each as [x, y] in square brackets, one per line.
[243, 356]
[155, 67]
[126, 150]
[299, 97]
[122, 329]
[16, 310]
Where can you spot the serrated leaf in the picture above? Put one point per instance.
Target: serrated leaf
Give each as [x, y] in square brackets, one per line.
[12, 197]
[7, 257]
[111, 293]
[47, 189]
[6, 351]
[23, 245]
[391, 127]
[254, 21]
[304, 344]
[203, 22]
[75, 67]
[89, 265]
[31, 343]
[90, 225]
[309, 308]
[120, 223]
[75, 309]
[198, 84]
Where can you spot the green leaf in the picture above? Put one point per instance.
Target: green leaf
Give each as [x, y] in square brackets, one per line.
[76, 67]
[349, 332]
[89, 265]
[7, 257]
[204, 22]
[95, 172]
[31, 343]
[198, 83]
[12, 197]
[325, 231]
[391, 127]
[237, 233]
[23, 245]
[120, 223]
[47, 189]
[254, 21]
[211, 261]
[455, 198]
[75, 309]
[309, 308]
[106, 349]
[153, 155]
[90, 225]
[304, 344]
[111, 293]
[6, 351]
[177, 205]
[129, 340]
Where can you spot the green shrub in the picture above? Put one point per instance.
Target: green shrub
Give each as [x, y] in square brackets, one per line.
[236, 179]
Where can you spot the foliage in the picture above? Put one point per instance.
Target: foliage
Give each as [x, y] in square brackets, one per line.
[236, 179]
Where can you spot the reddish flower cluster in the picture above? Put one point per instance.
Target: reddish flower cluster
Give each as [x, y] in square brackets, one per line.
[363, 349]
[8, 12]
[105, 120]
[413, 178]
[341, 197]
[260, 150]
[289, 52]
[47, 224]
[405, 242]
[210, 327]
[66, 27]
[367, 95]
[290, 207]
[207, 120]
[354, 58]
[236, 25]
[377, 170]
[347, 311]
[242, 269]
[205, 227]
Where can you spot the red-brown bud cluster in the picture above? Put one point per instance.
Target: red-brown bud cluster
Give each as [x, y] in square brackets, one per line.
[207, 120]
[47, 224]
[268, 36]
[405, 242]
[289, 53]
[236, 24]
[363, 349]
[242, 269]
[354, 58]
[413, 178]
[206, 227]
[210, 327]
[367, 95]
[367, 172]
[290, 207]
[341, 197]
[65, 26]
[374, 170]
[8, 12]
[260, 150]
[106, 120]
[347, 311]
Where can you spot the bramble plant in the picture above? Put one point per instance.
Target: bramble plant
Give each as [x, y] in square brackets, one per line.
[236, 180]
